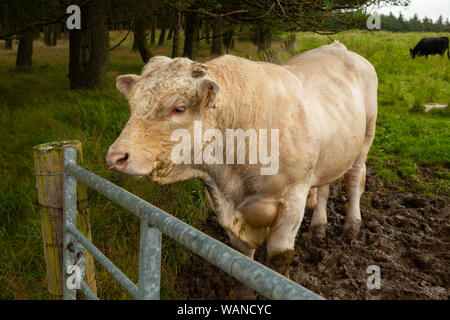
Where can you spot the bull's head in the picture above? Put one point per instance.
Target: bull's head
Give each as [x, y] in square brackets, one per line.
[169, 94]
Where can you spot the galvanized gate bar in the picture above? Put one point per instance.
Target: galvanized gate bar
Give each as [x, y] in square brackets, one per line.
[69, 218]
[149, 262]
[87, 291]
[262, 279]
[104, 261]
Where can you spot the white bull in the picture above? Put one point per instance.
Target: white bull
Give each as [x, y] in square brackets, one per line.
[324, 104]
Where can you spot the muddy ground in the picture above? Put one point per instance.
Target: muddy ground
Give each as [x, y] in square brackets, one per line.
[405, 233]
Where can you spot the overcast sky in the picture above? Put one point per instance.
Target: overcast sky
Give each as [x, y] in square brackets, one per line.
[430, 8]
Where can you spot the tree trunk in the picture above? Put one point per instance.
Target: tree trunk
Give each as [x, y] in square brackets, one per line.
[228, 40]
[231, 46]
[189, 33]
[206, 25]
[48, 29]
[153, 31]
[198, 30]
[48, 35]
[25, 52]
[216, 47]
[55, 34]
[289, 43]
[140, 38]
[162, 35]
[89, 48]
[8, 25]
[263, 37]
[154, 23]
[176, 35]
[171, 29]
[163, 27]
[135, 43]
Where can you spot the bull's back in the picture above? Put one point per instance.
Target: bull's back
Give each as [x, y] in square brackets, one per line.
[340, 88]
[334, 72]
[320, 100]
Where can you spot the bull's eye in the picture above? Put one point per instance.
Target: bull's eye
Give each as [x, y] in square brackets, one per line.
[177, 111]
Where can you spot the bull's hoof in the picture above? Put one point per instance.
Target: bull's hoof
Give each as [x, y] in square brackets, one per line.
[318, 231]
[242, 292]
[281, 261]
[351, 230]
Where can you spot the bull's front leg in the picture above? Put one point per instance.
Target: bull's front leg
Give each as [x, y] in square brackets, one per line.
[232, 220]
[241, 291]
[281, 240]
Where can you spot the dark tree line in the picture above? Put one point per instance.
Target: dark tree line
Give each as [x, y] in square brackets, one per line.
[215, 22]
[414, 24]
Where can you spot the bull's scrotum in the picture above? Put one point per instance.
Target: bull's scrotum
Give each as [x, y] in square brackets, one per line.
[260, 214]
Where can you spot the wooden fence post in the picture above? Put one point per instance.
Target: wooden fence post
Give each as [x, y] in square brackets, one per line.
[48, 162]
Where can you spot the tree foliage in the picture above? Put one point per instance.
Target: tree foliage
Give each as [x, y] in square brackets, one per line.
[216, 21]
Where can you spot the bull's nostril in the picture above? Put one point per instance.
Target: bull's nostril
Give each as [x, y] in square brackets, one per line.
[122, 161]
[117, 160]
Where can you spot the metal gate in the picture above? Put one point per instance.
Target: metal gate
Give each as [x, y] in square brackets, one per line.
[154, 221]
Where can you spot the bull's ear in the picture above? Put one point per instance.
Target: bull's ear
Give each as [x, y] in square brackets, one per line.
[125, 83]
[207, 91]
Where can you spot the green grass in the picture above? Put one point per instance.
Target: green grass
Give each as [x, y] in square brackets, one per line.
[37, 106]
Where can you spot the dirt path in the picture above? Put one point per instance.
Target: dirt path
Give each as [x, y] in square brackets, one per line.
[406, 234]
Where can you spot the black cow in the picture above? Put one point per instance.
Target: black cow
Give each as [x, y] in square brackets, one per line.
[427, 46]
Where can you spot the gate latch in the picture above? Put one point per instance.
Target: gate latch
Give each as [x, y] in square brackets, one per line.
[79, 261]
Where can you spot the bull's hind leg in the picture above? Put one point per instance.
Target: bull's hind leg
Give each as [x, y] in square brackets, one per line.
[280, 244]
[318, 226]
[311, 201]
[355, 180]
